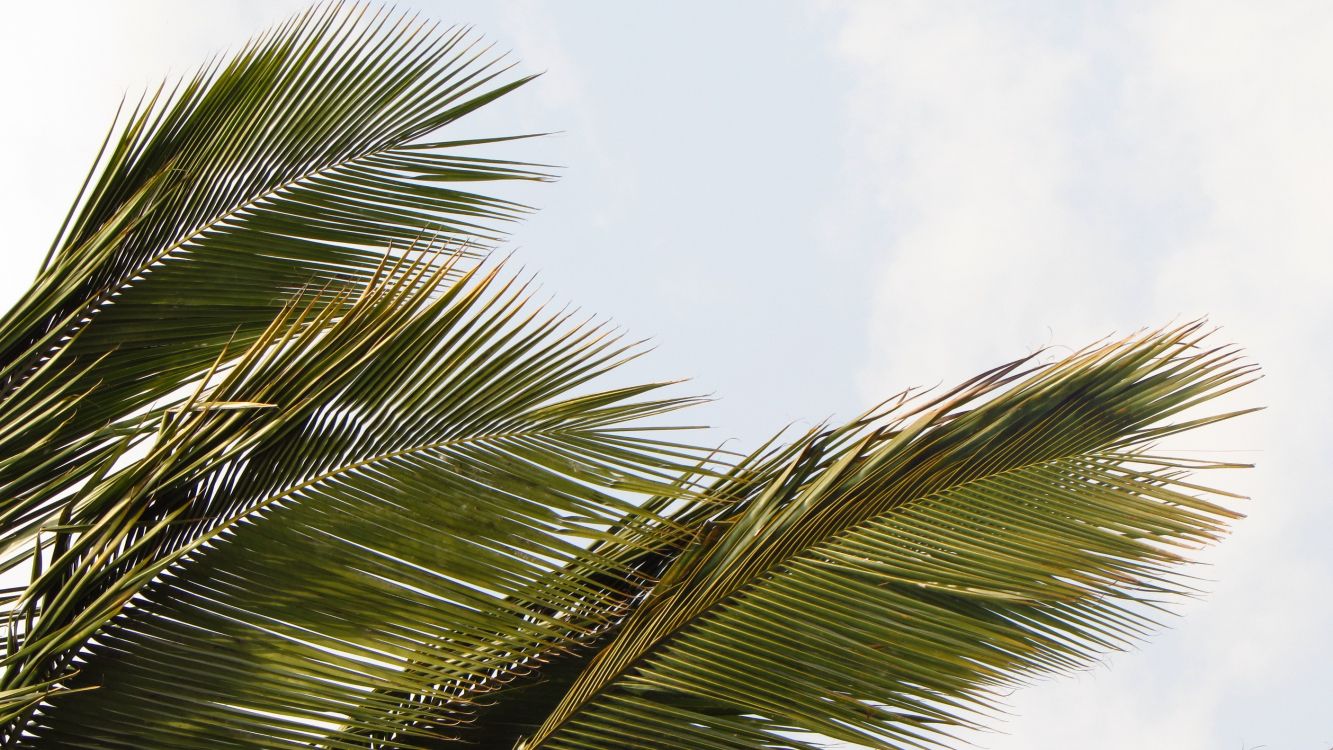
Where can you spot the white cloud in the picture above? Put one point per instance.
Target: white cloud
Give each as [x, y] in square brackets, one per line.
[954, 112]
[1096, 169]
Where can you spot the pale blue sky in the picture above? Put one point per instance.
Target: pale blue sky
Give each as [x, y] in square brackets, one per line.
[809, 206]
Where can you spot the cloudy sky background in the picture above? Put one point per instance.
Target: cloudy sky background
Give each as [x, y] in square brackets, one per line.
[810, 206]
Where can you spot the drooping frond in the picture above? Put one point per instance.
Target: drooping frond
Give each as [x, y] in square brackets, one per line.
[880, 589]
[285, 170]
[405, 528]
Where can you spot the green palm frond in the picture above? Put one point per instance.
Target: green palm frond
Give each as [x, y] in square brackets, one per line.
[286, 169]
[878, 593]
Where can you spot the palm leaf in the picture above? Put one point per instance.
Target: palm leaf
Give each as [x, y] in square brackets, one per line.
[288, 168]
[399, 532]
[883, 588]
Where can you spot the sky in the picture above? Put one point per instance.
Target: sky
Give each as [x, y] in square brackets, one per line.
[809, 206]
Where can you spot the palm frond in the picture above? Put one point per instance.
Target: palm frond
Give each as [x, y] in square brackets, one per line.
[282, 171]
[405, 527]
[882, 588]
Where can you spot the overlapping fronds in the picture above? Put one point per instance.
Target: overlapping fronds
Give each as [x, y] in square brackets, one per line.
[405, 524]
[269, 186]
[290, 166]
[286, 467]
[878, 592]
[519, 706]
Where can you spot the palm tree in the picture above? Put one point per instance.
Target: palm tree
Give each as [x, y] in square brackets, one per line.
[287, 462]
